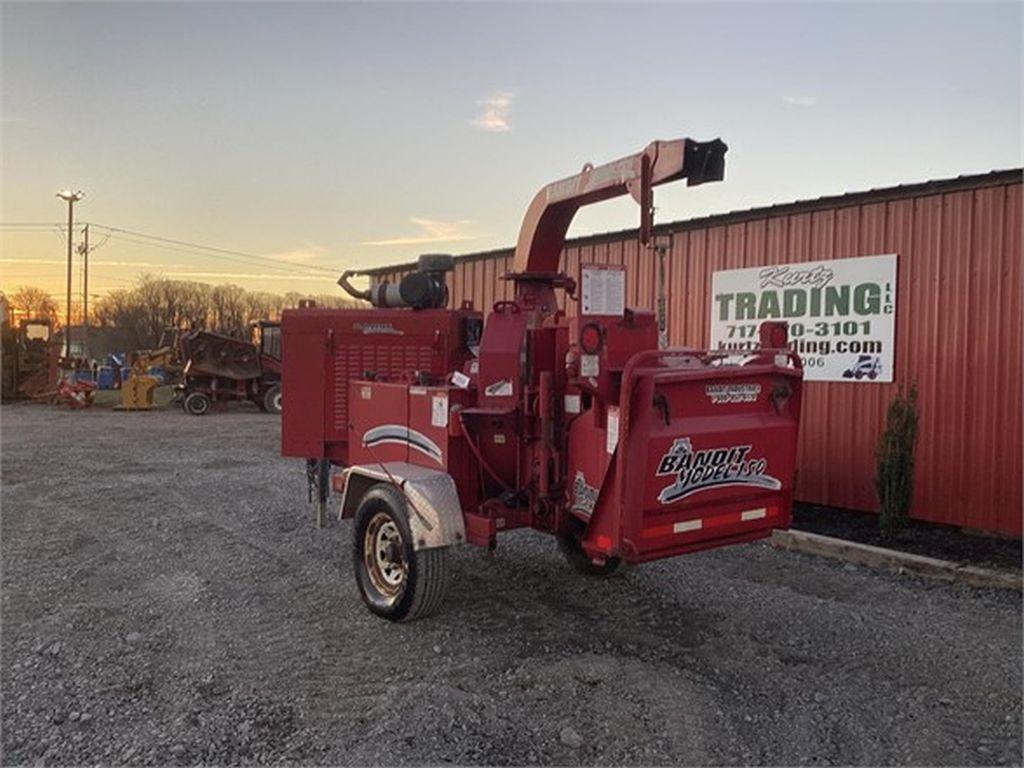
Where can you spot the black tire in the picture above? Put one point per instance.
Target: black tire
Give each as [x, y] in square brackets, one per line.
[197, 404]
[570, 548]
[272, 399]
[395, 581]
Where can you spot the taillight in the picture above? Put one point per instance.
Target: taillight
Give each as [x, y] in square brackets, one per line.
[591, 338]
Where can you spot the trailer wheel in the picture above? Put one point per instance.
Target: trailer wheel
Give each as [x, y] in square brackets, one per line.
[272, 399]
[197, 403]
[570, 548]
[396, 581]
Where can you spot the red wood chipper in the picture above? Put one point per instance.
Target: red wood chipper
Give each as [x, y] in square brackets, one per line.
[449, 430]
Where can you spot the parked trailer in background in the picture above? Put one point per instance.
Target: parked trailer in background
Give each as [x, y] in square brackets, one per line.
[450, 431]
[220, 368]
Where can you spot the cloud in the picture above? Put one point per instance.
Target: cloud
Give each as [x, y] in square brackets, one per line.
[304, 254]
[800, 101]
[494, 117]
[431, 231]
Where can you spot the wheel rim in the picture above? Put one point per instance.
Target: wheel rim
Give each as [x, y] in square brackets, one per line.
[198, 405]
[384, 554]
[276, 400]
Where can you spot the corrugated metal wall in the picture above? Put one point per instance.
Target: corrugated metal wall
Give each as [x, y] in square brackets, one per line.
[959, 335]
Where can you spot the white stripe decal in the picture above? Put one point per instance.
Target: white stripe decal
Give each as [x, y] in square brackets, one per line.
[754, 514]
[688, 525]
[402, 435]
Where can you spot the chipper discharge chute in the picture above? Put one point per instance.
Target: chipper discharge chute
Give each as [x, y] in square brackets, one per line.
[448, 430]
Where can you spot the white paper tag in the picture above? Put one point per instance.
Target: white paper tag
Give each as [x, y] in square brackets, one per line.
[417, 390]
[590, 365]
[604, 291]
[573, 404]
[613, 429]
[474, 366]
[460, 380]
[439, 411]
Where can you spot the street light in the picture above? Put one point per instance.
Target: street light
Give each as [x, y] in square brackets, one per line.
[71, 198]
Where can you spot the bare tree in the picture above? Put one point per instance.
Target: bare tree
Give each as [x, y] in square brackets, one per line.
[137, 316]
[34, 302]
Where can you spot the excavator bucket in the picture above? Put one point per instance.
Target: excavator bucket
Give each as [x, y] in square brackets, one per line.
[137, 393]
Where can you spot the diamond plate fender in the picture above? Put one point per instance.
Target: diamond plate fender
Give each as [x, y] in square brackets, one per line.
[431, 500]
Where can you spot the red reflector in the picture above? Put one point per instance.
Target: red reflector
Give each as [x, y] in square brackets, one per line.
[774, 335]
[591, 338]
[604, 542]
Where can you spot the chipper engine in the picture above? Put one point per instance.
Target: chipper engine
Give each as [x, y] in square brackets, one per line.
[449, 430]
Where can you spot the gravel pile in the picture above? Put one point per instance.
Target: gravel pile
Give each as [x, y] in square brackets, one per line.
[166, 599]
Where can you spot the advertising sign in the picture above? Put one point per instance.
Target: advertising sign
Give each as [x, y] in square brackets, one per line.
[841, 313]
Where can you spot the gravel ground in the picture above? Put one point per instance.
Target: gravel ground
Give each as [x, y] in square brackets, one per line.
[166, 599]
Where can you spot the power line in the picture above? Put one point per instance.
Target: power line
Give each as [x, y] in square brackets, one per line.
[100, 244]
[9, 224]
[296, 271]
[111, 277]
[183, 246]
[30, 275]
[214, 249]
[290, 269]
[31, 229]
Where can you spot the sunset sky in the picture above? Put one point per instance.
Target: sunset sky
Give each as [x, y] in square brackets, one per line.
[353, 135]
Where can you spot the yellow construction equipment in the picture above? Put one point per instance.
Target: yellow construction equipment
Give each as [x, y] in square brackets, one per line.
[137, 391]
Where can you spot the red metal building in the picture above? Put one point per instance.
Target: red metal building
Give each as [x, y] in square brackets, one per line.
[959, 329]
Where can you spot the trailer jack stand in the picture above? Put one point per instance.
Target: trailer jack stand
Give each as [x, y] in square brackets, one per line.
[318, 487]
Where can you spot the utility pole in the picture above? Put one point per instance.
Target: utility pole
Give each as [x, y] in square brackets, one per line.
[85, 290]
[71, 198]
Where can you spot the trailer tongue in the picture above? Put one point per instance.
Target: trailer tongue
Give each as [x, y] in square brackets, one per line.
[450, 431]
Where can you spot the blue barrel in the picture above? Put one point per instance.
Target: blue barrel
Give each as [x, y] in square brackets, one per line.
[105, 379]
[83, 375]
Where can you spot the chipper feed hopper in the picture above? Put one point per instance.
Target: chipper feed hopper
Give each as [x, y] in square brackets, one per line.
[448, 430]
